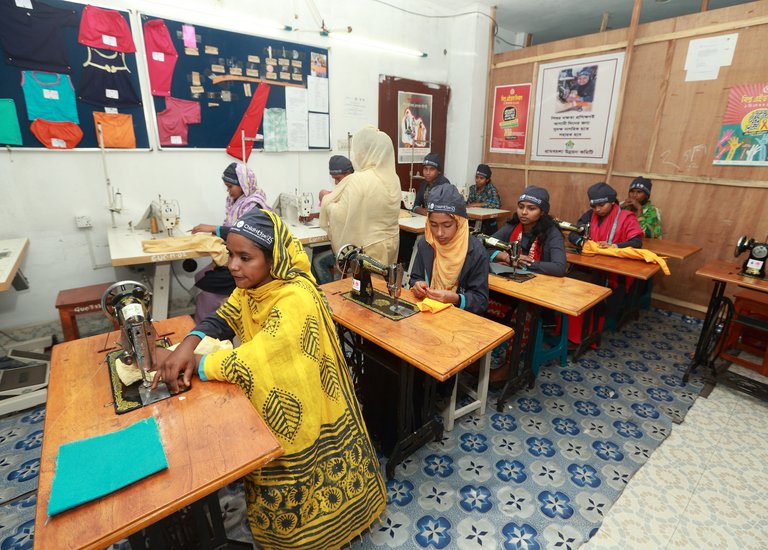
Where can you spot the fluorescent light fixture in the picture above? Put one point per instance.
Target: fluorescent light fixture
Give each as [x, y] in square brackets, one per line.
[375, 45]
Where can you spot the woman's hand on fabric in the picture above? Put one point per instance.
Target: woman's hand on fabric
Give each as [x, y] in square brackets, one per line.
[524, 261]
[419, 289]
[204, 228]
[444, 296]
[170, 365]
[604, 244]
[503, 258]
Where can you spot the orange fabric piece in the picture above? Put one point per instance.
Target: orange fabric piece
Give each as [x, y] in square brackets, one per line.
[592, 248]
[116, 128]
[56, 135]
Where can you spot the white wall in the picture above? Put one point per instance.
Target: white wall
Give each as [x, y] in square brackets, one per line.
[42, 191]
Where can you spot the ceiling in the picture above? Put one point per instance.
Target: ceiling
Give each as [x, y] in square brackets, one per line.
[549, 20]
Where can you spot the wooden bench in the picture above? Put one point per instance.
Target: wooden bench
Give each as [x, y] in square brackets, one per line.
[78, 301]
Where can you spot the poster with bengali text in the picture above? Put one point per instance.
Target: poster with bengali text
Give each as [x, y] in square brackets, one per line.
[576, 107]
[510, 118]
[414, 113]
[743, 139]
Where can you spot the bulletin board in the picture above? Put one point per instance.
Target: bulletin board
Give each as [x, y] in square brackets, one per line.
[77, 54]
[222, 69]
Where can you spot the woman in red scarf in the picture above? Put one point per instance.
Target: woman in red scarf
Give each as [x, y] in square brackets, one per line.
[609, 225]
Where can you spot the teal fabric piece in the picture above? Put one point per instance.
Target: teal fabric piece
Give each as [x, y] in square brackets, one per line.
[10, 132]
[91, 468]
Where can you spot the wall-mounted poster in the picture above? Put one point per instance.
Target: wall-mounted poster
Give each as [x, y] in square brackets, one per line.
[414, 113]
[743, 137]
[576, 102]
[510, 118]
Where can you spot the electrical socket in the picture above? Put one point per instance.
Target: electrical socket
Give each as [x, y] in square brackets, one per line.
[83, 222]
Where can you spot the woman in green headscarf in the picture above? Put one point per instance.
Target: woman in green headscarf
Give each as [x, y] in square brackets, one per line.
[327, 488]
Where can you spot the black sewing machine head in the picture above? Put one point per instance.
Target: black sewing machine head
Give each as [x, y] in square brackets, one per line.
[350, 259]
[581, 230]
[754, 266]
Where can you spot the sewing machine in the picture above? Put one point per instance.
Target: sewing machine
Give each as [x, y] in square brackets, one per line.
[582, 230]
[130, 303]
[514, 250]
[293, 207]
[161, 215]
[754, 265]
[351, 259]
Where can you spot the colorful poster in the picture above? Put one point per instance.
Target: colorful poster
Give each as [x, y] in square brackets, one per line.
[743, 137]
[510, 118]
[414, 112]
[576, 107]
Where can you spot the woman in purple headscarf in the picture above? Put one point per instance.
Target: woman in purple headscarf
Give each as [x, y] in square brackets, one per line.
[243, 194]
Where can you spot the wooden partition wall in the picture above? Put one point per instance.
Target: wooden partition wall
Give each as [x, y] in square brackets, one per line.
[666, 129]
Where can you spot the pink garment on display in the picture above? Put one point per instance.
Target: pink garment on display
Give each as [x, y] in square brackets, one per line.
[250, 123]
[105, 29]
[173, 123]
[161, 56]
[188, 33]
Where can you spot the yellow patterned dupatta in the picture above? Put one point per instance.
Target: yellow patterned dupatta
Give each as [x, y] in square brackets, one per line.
[327, 488]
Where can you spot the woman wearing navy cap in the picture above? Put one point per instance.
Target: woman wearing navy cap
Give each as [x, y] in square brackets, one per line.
[451, 265]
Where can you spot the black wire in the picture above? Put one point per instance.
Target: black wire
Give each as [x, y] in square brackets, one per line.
[495, 24]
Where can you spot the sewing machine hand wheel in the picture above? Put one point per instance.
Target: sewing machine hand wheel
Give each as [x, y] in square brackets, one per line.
[344, 255]
[741, 245]
[118, 291]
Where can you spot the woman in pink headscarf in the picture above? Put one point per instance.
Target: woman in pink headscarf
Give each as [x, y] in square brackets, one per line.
[243, 194]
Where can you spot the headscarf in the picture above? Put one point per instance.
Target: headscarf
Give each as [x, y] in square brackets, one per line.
[364, 207]
[644, 184]
[600, 193]
[253, 195]
[484, 170]
[339, 164]
[449, 258]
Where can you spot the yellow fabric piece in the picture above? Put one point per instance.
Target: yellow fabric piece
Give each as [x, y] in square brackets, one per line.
[364, 207]
[327, 488]
[432, 306]
[449, 258]
[591, 248]
[210, 244]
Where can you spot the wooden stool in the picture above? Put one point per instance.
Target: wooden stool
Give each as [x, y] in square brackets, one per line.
[78, 301]
[749, 330]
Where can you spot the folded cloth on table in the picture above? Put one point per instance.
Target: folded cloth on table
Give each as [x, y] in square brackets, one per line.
[209, 244]
[591, 248]
[433, 306]
[92, 468]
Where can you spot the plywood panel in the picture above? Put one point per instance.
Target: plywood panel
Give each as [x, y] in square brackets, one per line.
[669, 129]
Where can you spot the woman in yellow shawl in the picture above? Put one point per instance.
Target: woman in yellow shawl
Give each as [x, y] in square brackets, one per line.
[327, 488]
[451, 266]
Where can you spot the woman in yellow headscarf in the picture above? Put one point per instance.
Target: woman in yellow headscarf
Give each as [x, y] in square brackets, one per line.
[451, 266]
[327, 488]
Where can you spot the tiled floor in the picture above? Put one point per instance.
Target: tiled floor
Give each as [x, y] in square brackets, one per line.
[705, 487]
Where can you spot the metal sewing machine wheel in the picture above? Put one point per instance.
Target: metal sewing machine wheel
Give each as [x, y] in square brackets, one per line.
[713, 335]
[130, 304]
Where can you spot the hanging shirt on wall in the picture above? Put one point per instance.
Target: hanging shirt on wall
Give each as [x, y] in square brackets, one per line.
[173, 123]
[34, 38]
[49, 96]
[116, 129]
[250, 124]
[106, 29]
[106, 80]
[275, 130]
[10, 132]
[161, 56]
[56, 135]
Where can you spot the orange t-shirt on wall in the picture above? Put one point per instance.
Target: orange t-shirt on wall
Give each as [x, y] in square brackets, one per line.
[116, 128]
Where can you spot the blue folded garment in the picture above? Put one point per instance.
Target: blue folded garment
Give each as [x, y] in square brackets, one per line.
[94, 467]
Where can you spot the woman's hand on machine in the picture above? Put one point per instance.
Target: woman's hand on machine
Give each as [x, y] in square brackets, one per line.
[419, 289]
[204, 228]
[170, 365]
